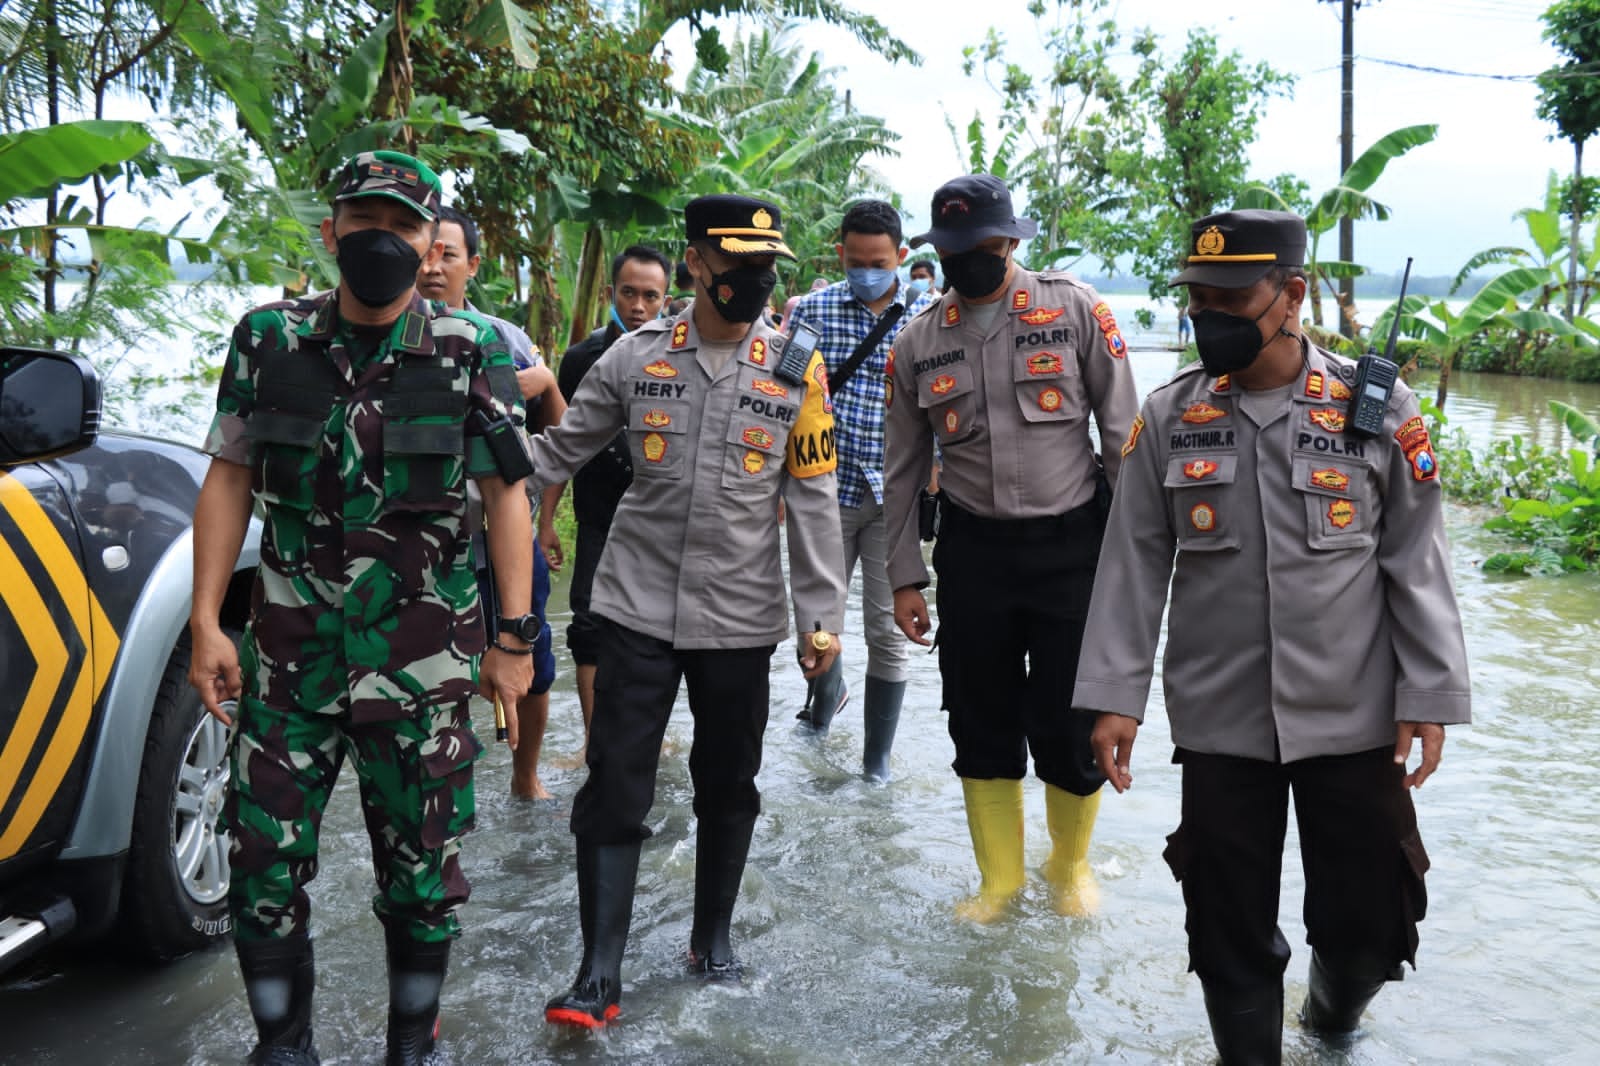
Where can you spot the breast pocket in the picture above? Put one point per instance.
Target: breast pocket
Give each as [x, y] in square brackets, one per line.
[949, 398]
[1047, 386]
[1338, 500]
[424, 439]
[657, 437]
[1200, 488]
[285, 447]
[753, 453]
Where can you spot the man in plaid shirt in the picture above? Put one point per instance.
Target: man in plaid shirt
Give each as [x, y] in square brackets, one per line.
[844, 313]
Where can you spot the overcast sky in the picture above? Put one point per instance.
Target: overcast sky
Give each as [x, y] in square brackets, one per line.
[1450, 198]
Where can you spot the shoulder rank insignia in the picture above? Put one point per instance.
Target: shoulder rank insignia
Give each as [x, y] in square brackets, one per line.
[952, 314]
[1314, 384]
[758, 352]
[1020, 300]
[680, 336]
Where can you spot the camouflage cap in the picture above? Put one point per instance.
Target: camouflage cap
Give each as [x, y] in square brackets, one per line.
[394, 175]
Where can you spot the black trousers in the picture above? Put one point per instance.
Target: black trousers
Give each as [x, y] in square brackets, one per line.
[1013, 598]
[636, 682]
[1363, 860]
[583, 632]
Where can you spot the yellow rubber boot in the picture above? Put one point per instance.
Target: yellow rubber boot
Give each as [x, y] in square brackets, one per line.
[994, 816]
[1071, 822]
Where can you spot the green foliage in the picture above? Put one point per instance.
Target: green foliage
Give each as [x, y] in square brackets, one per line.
[1507, 468]
[1561, 523]
[1569, 96]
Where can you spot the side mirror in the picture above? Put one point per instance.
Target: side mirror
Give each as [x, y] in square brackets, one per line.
[49, 404]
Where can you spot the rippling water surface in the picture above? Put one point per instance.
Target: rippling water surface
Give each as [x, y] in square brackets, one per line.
[845, 915]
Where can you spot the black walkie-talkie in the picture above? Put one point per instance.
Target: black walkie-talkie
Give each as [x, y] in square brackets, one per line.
[1375, 377]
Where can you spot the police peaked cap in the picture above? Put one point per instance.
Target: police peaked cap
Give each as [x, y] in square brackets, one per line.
[1235, 249]
[736, 225]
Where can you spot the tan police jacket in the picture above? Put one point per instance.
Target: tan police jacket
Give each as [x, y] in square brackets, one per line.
[1312, 604]
[1008, 407]
[694, 555]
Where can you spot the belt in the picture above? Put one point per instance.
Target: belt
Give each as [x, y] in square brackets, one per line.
[1083, 519]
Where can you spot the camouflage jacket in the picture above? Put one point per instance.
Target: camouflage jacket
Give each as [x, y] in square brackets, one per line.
[361, 449]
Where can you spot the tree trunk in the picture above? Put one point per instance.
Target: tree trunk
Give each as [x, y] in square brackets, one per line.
[52, 206]
[1577, 217]
[586, 293]
[1447, 357]
[1316, 298]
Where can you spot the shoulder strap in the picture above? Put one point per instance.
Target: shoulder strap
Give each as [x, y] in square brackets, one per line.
[885, 323]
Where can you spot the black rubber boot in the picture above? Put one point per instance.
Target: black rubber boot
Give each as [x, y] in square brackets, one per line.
[881, 714]
[606, 877]
[720, 853]
[416, 974]
[826, 696]
[1247, 1027]
[1338, 995]
[279, 978]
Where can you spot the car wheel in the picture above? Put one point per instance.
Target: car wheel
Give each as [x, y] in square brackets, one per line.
[175, 898]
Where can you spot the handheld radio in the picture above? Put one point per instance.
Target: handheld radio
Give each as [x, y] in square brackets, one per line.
[1375, 377]
[797, 352]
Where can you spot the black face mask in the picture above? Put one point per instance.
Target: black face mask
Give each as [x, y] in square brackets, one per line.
[377, 265]
[974, 274]
[1229, 343]
[740, 294]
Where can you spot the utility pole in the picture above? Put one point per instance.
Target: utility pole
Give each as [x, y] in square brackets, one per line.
[1347, 107]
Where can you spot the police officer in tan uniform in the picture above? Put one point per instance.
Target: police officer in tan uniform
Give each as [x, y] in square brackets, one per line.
[722, 421]
[1312, 638]
[1003, 372]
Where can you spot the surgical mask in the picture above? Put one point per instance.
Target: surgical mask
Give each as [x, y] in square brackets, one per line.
[1228, 343]
[974, 274]
[919, 286]
[740, 294]
[623, 326]
[378, 266]
[869, 283]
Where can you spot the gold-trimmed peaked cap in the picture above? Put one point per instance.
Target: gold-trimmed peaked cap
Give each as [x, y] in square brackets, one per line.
[736, 225]
[1235, 249]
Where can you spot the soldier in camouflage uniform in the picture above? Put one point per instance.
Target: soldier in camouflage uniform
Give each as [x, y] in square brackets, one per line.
[354, 418]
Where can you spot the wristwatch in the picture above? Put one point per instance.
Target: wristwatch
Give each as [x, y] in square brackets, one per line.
[526, 627]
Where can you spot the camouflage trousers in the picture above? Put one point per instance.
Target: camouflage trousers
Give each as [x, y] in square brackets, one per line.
[415, 777]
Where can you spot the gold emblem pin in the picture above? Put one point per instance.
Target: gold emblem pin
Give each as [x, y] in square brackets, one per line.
[761, 220]
[1209, 243]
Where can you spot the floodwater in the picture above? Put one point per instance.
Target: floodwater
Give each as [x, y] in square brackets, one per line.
[845, 918]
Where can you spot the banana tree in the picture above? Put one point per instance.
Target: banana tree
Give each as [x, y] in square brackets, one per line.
[1497, 304]
[1347, 199]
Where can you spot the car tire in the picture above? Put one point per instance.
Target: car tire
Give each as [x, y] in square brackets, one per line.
[175, 895]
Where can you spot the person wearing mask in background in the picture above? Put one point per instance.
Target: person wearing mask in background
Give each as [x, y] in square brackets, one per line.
[636, 295]
[353, 419]
[922, 278]
[1004, 371]
[1183, 326]
[848, 315]
[1312, 639]
[722, 422]
[445, 280]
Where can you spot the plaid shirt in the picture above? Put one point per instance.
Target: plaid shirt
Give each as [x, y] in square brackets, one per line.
[844, 322]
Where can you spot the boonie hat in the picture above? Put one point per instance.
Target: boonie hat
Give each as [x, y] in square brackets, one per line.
[972, 208]
[1235, 249]
[394, 175]
[736, 225]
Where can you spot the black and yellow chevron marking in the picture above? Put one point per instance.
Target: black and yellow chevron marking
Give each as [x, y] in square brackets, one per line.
[60, 691]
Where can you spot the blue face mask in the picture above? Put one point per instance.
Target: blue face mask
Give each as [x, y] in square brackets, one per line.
[623, 326]
[919, 286]
[869, 283]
